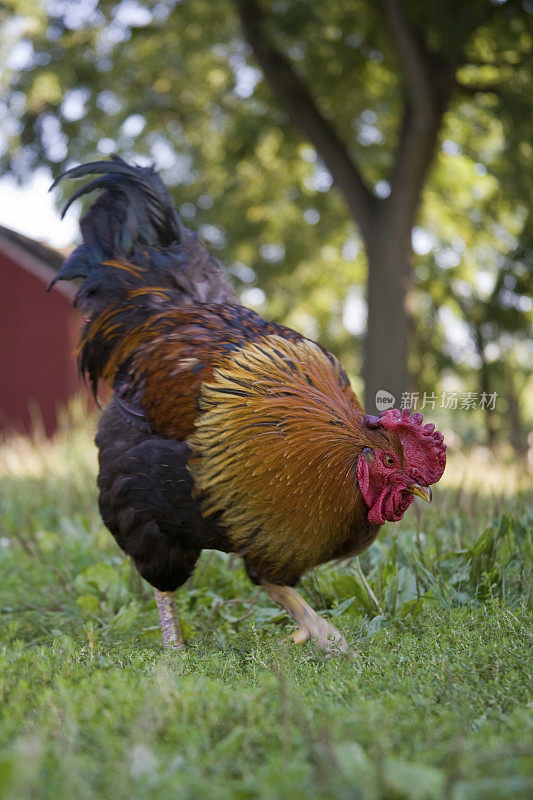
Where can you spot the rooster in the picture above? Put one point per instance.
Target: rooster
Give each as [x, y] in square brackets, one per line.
[224, 431]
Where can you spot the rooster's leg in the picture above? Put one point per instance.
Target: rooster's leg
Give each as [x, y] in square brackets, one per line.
[310, 625]
[168, 617]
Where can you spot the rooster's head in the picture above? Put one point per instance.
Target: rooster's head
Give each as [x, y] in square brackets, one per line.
[409, 458]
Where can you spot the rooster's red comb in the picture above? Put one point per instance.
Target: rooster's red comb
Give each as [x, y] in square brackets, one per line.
[423, 446]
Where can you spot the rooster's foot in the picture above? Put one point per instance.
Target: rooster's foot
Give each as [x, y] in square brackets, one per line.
[168, 618]
[327, 637]
[310, 625]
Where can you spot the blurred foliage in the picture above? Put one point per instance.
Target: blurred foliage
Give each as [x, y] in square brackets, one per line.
[174, 82]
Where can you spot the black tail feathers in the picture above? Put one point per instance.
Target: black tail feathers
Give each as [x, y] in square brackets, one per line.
[136, 259]
[135, 210]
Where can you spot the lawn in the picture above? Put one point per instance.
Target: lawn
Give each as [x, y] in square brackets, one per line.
[435, 704]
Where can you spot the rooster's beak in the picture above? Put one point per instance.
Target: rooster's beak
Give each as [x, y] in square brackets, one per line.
[421, 491]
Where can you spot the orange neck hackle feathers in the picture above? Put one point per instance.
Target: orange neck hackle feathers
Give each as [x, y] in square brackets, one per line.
[275, 452]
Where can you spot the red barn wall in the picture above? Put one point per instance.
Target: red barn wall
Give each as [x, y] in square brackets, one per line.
[38, 332]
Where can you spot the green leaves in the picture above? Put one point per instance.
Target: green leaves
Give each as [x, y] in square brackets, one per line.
[101, 579]
[352, 588]
[497, 566]
[105, 594]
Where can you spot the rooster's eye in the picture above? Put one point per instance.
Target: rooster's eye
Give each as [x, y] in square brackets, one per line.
[388, 461]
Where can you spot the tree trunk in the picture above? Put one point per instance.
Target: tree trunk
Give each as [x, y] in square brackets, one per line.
[516, 429]
[385, 367]
[485, 389]
[385, 224]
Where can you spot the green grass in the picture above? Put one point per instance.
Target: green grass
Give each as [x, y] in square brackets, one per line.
[436, 704]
